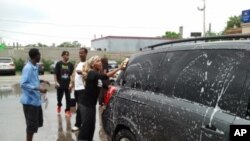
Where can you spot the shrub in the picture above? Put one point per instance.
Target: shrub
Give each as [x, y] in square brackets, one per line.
[19, 64]
[47, 64]
[73, 62]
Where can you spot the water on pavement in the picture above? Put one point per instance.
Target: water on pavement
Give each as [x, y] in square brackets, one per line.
[56, 127]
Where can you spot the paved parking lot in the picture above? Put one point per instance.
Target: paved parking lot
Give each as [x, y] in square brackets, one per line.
[56, 127]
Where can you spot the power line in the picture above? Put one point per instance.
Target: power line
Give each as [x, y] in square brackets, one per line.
[13, 40]
[43, 35]
[78, 25]
[16, 39]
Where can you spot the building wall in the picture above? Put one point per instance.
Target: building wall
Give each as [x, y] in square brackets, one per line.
[100, 44]
[55, 53]
[245, 28]
[124, 44]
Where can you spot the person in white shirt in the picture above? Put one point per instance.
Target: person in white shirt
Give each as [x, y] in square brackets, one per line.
[78, 84]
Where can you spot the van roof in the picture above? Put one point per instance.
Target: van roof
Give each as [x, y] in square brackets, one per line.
[204, 39]
[233, 44]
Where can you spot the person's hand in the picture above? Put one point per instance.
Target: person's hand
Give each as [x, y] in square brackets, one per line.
[122, 67]
[57, 85]
[124, 64]
[43, 90]
[70, 87]
[79, 72]
[46, 82]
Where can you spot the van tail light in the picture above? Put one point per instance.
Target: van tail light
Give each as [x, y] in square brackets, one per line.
[110, 92]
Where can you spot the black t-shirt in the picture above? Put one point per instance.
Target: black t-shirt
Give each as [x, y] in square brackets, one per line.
[63, 72]
[92, 90]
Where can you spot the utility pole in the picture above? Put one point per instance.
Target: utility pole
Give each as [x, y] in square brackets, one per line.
[204, 16]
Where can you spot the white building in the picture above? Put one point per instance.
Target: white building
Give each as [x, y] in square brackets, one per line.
[125, 43]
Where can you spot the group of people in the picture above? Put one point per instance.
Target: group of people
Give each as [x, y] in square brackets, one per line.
[87, 79]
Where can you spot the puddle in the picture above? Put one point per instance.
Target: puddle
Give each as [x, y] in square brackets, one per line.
[56, 127]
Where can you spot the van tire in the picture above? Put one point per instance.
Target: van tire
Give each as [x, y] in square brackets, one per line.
[124, 135]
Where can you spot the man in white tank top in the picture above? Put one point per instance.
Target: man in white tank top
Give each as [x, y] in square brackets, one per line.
[79, 84]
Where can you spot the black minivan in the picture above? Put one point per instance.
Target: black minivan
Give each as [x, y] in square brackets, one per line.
[185, 90]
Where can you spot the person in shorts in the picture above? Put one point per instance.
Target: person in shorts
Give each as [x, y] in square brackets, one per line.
[31, 98]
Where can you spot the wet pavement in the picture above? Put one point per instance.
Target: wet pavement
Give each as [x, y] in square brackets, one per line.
[56, 127]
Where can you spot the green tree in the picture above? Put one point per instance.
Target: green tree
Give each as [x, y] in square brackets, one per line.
[65, 44]
[233, 21]
[31, 45]
[171, 35]
[69, 44]
[37, 45]
[41, 45]
[76, 44]
[2, 46]
[210, 33]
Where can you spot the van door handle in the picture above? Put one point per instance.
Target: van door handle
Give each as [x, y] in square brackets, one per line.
[212, 127]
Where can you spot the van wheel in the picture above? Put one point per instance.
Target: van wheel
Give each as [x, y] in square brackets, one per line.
[124, 135]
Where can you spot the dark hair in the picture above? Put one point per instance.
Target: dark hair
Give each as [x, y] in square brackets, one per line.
[33, 53]
[104, 60]
[65, 52]
[85, 50]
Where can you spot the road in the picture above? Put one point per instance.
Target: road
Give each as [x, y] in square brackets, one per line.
[57, 127]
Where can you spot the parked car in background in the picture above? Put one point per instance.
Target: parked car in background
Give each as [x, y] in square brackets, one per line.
[112, 64]
[182, 90]
[52, 67]
[40, 68]
[7, 66]
[113, 79]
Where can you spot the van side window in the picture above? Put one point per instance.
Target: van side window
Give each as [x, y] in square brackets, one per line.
[143, 72]
[231, 78]
[211, 78]
[248, 110]
[171, 67]
[244, 110]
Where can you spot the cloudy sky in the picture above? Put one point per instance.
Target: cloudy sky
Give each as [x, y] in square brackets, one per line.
[56, 21]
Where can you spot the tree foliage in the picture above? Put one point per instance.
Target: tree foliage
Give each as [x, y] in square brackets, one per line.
[171, 35]
[210, 34]
[19, 63]
[2, 46]
[233, 21]
[233, 25]
[69, 44]
[37, 45]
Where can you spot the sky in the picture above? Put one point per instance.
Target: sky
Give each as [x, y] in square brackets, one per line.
[57, 21]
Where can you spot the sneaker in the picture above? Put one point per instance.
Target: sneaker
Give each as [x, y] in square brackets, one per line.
[68, 114]
[58, 109]
[74, 129]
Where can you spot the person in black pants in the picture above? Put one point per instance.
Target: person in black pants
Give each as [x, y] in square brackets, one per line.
[63, 72]
[78, 84]
[93, 77]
